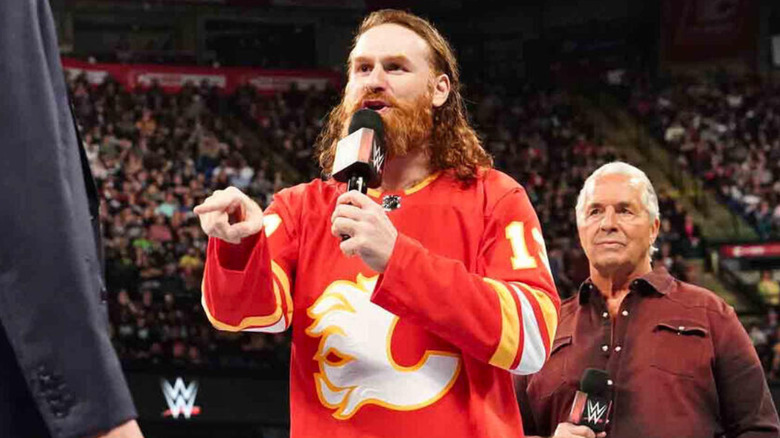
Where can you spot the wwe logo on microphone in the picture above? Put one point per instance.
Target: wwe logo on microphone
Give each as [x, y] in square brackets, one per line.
[595, 411]
[180, 398]
[379, 157]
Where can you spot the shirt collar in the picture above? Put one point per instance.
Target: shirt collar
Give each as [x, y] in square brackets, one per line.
[656, 281]
[375, 193]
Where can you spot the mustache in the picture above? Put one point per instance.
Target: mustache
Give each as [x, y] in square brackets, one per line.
[369, 95]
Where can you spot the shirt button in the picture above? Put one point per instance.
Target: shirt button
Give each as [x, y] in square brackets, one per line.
[605, 315]
[618, 348]
[610, 382]
[604, 347]
[624, 313]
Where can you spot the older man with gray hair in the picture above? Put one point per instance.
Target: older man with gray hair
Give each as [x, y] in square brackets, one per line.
[678, 362]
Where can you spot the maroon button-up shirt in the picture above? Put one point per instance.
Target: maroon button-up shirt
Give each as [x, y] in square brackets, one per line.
[681, 363]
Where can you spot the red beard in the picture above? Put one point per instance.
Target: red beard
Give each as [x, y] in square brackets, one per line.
[408, 125]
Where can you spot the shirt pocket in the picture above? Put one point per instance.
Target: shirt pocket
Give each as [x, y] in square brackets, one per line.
[553, 374]
[680, 347]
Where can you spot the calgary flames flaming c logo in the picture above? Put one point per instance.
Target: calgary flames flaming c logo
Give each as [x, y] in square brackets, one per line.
[355, 361]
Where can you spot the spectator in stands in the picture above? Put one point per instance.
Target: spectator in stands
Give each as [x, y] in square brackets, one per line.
[769, 289]
[769, 328]
[146, 124]
[691, 237]
[664, 258]
[661, 329]
[760, 341]
[762, 217]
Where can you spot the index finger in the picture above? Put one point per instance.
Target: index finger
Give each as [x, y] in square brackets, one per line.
[218, 203]
[356, 198]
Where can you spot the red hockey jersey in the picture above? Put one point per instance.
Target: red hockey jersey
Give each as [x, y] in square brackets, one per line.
[426, 348]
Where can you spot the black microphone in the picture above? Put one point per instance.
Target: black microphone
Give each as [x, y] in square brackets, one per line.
[360, 156]
[593, 401]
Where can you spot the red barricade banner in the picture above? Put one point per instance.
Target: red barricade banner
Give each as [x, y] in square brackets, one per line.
[754, 250]
[172, 78]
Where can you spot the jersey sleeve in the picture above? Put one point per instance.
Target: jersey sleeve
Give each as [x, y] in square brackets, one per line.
[247, 286]
[504, 314]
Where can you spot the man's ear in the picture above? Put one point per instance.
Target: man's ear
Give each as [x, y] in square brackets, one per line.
[654, 230]
[441, 89]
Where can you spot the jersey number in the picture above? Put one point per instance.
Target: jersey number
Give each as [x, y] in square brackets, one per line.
[521, 258]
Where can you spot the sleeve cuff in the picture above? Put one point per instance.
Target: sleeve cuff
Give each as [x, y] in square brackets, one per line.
[235, 257]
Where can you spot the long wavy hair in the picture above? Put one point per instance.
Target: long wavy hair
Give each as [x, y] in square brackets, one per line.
[453, 142]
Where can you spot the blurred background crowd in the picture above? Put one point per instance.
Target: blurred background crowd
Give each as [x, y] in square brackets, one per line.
[554, 89]
[156, 155]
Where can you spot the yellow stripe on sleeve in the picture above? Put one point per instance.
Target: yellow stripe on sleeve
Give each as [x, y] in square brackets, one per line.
[510, 327]
[284, 280]
[249, 321]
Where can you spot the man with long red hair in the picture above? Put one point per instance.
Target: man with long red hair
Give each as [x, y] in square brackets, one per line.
[411, 326]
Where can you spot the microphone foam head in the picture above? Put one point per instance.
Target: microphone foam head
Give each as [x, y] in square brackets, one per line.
[366, 118]
[595, 382]
[362, 152]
